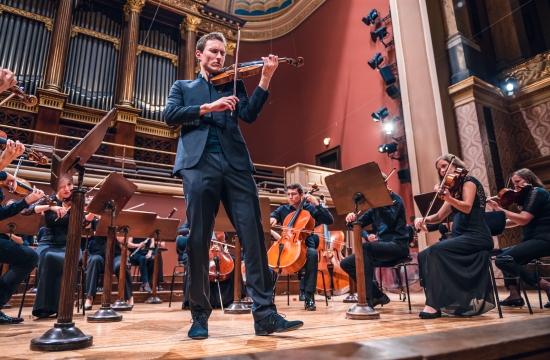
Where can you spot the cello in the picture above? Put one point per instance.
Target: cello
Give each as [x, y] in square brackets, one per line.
[330, 252]
[288, 254]
[220, 262]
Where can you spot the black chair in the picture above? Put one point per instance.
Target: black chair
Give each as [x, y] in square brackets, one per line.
[174, 274]
[541, 261]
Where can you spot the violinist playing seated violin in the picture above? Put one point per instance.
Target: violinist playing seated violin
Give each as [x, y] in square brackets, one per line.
[294, 195]
[391, 242]
[535, 220]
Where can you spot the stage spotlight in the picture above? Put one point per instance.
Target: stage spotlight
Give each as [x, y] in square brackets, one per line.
[388, 148]
[510, 85]
[371, 17]
[375, 62]
[380, 33]
[380, 114]
[393, 91]
[389, 127]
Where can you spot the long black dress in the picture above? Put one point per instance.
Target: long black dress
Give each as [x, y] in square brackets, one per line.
[455, 272]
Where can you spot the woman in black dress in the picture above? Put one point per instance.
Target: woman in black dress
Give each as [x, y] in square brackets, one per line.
[51, 250]
[535, 220]
[455, 272]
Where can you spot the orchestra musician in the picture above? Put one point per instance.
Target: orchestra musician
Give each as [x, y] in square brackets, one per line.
[534, 219]
[464, 257]
[51, 249]
[390, 242]
[144, 259]
[214, 163]
[22, 259]
[294, 195]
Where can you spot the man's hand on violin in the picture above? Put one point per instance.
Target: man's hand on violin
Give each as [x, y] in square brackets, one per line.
[225, 103]
[270, 65]
[7, 79]
[35, 195]
[10, 182]
[13, 150]
[351, 217]
[418, 223]
[311, 199]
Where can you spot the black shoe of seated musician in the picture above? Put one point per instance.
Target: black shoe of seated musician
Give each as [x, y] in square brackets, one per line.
[275, 323]
[7, 320]
[199, 329]
[383, 300]
[427, 315]
[33, 290]
[309, 304]
[160, 288]
[515, 302]
[302, 295]
[547, 305]
[145, 287]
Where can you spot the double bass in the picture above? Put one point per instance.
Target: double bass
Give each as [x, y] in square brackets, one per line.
[331, 244]
[288, 254]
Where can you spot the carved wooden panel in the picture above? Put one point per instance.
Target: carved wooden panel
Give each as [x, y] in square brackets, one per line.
[20, 120]
[154, 144]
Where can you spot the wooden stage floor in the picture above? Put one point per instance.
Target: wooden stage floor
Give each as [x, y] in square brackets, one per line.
[156, 331]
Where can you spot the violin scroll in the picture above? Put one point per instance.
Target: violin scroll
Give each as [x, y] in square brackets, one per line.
[452, 182]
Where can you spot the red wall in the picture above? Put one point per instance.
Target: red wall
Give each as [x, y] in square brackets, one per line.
[332, 95]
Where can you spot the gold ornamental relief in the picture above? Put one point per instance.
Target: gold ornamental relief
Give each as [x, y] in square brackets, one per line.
[48, 22]
[230, 48]
[133, 6]
[190, 23]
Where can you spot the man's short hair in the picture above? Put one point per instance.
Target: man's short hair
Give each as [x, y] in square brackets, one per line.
[295, 186]
[201, 44]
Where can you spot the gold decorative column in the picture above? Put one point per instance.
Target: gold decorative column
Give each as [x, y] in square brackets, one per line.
[189, 33]
[230, 53]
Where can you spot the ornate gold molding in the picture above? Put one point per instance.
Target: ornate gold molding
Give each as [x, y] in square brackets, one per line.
[474, 89]
[75, 30]
[160, 53]
[15, 104]
[230, 48]
[48, 22]
[529, 71]
[127, 114]
[133, 6]
[51, 99]
[82, 116]
[190, 23]
[157, 128]
[209, 26]
[186, 6]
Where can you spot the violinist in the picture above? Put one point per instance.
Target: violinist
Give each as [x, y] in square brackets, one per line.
[390, 242]
[455, 272]
[51, 249]
[7, 79]
[294, 195]
[535, 221]
[144, 259]
[22, 259]
[215, 165]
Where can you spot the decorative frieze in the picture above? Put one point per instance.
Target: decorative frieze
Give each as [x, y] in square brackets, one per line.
[172, 57]
[75, 30]
[48, 22]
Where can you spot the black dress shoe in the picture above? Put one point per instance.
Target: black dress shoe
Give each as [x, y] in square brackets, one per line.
[302, 295]
[427, 315]
[381, 301]
[309, 304]
[199, 329]
[275, 323]
[87, 308]
[515, 302]
[6, 320]
[160, 288]
[547, 305]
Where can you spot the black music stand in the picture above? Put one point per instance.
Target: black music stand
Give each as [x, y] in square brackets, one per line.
[355, 190]
[130, 223]
[111, 198]
[423, 202]
[64, 335]
[164, 229]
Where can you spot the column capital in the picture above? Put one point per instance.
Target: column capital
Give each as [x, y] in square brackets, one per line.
[190, 23]
[230, 48]
[133, 6]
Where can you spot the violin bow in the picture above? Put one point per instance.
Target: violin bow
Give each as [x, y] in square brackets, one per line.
[236, 71]
[436, 193]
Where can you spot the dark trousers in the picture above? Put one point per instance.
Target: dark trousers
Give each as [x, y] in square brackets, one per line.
[22, 261]
[309, 282]
[146, 266]
[211, 180]
[181, 246]
[96, 266]
[522, 254]
[374, 251]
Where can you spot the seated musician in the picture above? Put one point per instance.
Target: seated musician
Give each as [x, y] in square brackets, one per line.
[294, 195]
[464, 258]
[535, 220]
[51, 249]
[22, 259]
[391, 242]
[96, 266]
[143, 258]
[181, 241]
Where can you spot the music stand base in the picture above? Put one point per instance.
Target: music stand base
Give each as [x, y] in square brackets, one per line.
[237, 308]
[352, 298]
[104, 315]
[362, 312]
[154, 300]
[62, 337]
[247, 301]
[121, 305]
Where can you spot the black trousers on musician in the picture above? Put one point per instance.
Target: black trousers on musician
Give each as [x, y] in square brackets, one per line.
[522, 254]
[308, 283]
[22, 261]
[374, 251]
[96, 266]
[213, 180]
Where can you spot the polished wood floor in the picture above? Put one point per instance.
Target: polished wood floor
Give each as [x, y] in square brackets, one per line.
[156, 331]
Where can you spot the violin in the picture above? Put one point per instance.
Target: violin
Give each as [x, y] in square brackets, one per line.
[220, 264]
[330, 256]
[288, 254]
[28, 100]
[452, 183]
[508, 197]
[24, 188]
[35, 156]
[248, 69]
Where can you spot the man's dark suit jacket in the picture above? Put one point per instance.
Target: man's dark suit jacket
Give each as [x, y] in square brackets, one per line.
[183, 108]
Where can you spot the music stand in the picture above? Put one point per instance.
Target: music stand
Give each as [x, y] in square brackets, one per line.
[111, 198]
[131, 223]
[164, 229]
[423, 202]
[355, 190]
[64, 335]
